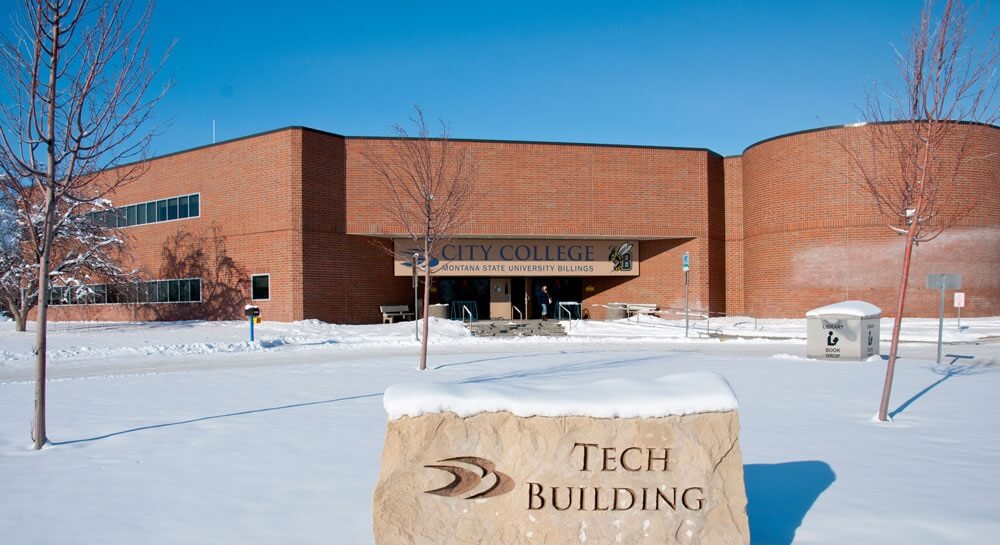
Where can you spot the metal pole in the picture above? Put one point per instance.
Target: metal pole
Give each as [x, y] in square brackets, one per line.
[941, 322]
[416, 299]
[959, 319]
[687, 308]
[251, 329]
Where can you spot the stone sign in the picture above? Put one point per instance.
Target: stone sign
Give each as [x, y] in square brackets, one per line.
[462, 472]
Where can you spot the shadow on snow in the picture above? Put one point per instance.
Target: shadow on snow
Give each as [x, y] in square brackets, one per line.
[780, 495]
[213, 417]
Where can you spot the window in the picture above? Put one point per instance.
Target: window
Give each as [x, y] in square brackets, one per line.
[174, 208]
[260, 285]
[185, 290]
[193, 201]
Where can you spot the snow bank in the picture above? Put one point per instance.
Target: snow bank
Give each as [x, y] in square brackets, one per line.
[680, 394]
[857, 309]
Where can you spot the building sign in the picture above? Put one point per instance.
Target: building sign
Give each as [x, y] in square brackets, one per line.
[503, 257]
[499, 479]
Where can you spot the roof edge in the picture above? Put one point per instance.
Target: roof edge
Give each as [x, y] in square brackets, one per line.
[859, 124]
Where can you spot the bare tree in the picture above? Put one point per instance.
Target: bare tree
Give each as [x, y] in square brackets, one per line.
[85, 248]
[429, 184]
[78, 81]
[920, 136]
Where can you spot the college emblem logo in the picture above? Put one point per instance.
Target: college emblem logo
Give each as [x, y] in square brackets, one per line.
[621, 257]
[470, 480]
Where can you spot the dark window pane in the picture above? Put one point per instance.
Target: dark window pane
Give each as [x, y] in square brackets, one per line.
[182, 207]
[162, 292]
[140, 214]
[161, 210]
[150, 212]
[101, 293]
[130, 215]
[122, 218]
[193, 206]
[175, 290]
[172, 209]
[261, 285]
[196, 290]
[185, 291]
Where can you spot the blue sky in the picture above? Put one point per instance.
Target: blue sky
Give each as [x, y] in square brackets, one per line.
[718, 74]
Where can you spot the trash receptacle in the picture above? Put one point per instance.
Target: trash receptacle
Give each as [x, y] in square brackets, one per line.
[848, 330]
[616, 311]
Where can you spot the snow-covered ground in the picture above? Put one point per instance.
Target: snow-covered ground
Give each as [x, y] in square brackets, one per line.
[80, 341]
[186, 433]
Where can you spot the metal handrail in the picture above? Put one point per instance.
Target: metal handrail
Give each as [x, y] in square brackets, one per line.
[561, 307]
[520, 315]
[465, 310]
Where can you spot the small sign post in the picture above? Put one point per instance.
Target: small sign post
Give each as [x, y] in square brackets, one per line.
[253, 313]
[942, 282]
[686, 267]
[959, 303]
[416, 299]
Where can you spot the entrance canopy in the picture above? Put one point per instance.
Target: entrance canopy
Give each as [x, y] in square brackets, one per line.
[527, 257]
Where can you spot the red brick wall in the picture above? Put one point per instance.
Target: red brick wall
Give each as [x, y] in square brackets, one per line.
[775, 232]
[812, 236]
[250, 223]
[734, 235]
[532, 190]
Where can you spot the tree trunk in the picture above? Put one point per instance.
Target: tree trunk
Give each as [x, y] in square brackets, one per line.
[897, 323]
[911, 235]
[41, 330]
[426, 325]
[41, 337]
[21, 314]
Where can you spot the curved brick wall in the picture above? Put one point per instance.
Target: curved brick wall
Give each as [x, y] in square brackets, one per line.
[811, 236]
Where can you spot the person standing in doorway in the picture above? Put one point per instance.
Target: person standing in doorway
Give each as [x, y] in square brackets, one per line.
[544, 299]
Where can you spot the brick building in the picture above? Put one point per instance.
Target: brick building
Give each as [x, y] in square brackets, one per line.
[293, 219]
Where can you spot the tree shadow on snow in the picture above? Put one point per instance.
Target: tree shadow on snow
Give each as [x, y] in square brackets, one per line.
[212, 417]
[780, 495]
[947, 371]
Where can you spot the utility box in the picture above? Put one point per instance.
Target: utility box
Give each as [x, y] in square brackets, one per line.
[848, 330]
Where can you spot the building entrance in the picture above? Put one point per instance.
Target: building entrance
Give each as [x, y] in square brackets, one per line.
[560, 289]
[497, 298]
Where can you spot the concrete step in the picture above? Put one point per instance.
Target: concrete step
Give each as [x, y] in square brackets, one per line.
[509, 328]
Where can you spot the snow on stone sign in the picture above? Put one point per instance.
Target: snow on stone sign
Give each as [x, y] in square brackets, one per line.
[617, 461]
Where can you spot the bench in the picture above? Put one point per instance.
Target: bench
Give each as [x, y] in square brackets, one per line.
[391, 312]
[646, 309]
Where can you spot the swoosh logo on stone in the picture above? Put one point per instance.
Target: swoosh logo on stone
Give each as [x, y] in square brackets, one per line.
[466, 480]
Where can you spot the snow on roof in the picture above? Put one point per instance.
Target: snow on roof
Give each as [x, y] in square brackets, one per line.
[680, 394]
[856, 309]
